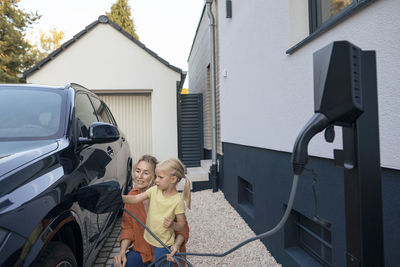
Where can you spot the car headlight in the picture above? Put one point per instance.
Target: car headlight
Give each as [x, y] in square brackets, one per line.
[3, 235]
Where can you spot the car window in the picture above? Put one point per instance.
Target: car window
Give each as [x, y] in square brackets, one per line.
[101, 110]
[29, 114]
[111, 116]
[84, 113]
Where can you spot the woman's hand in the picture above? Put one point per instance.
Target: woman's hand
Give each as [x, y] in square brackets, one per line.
[120, 260]
[168, 221]
[174, 248]
[179, 239]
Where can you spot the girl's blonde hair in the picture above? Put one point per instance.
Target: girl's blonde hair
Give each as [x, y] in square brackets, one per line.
[176, 168]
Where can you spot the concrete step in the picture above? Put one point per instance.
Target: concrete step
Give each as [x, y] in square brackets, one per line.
[206, 164]
[196, 174]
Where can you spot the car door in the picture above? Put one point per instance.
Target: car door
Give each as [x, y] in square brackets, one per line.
[97, 164]
[112, 147]
[120, 148]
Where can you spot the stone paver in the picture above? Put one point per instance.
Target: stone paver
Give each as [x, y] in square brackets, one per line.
[110, 247]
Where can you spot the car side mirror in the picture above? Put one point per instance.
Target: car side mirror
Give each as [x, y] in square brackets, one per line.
[101, 132]
[100, 198]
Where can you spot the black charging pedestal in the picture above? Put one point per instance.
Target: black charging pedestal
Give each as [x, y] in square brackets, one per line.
[345, 94]
[362, 175]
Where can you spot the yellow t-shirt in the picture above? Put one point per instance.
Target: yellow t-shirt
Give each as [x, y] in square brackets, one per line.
[159, 208]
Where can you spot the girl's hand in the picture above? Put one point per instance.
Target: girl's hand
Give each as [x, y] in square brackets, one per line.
[120, 260]
[127, 199]
[174, 248]
[168, 221]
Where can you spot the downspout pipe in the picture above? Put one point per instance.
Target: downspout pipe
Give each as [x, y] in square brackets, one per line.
[213, 169]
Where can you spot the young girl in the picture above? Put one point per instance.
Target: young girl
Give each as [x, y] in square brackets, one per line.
[165, 205]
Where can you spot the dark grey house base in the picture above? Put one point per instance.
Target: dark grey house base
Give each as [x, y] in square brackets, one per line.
[257, 183]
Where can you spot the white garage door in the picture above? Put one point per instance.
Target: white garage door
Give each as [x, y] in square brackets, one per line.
[133, 115]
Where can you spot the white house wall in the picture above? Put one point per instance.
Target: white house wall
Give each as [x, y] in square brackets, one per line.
[104, 59]
[267, 95]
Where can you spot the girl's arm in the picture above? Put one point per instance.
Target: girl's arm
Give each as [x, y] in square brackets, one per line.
[133, 199]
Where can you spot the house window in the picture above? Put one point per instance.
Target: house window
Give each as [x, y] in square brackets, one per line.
[322, 15]
[308, 238]
[245, 196]
[320, 11]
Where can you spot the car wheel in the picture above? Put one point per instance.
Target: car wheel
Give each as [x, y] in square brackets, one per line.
[56, 254]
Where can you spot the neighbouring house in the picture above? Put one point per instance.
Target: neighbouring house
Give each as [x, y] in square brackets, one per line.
[199, 82]
[264, 79]
[140, 87]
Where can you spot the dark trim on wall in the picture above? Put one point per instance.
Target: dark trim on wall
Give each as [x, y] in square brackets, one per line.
[270, 174]
[201, 185]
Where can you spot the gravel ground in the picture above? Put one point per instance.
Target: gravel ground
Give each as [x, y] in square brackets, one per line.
[216, 227]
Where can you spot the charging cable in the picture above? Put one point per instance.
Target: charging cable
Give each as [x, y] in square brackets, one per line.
[316, 217]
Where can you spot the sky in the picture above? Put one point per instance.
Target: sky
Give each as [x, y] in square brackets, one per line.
[166, 27]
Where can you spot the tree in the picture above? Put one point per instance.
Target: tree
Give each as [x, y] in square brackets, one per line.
[121, 15]
[16, 54]
[52, 41]
[48, 42]
[337, 5]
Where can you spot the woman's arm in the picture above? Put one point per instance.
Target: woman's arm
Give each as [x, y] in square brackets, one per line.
[120, 259]
[177, 224]
[133, 199]
[125, 243]
[179, 240]
[180, 222]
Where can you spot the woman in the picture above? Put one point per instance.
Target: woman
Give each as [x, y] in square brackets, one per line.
[140, 252]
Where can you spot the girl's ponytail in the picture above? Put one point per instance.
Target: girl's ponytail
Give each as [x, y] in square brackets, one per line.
[186, 195]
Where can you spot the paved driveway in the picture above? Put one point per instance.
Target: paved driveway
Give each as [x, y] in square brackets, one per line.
[215, 228]
[110, 247]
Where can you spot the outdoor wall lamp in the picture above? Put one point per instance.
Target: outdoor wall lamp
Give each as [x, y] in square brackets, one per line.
[228, 9]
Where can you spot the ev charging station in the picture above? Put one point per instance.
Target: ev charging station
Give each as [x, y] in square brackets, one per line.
[345, 94]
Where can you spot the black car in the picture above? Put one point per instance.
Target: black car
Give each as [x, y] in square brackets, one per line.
[54, 142]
